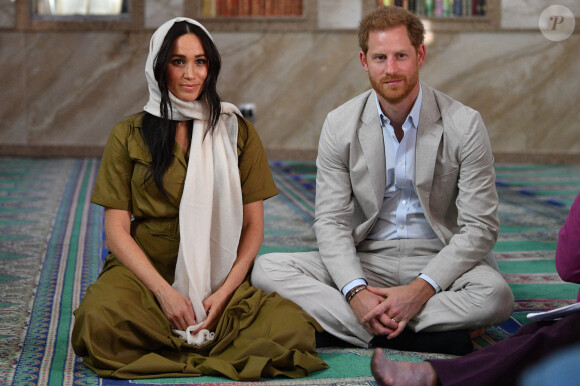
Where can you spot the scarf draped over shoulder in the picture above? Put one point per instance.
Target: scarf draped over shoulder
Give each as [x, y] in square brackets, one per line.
[210, 212]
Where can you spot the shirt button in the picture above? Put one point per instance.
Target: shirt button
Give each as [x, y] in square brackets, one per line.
[404, 202]
[402, 227]
[399, 164]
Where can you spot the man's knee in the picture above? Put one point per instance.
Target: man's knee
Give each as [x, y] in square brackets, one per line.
[490, 299]
[502, 299]
[495, 300]
[264, 271]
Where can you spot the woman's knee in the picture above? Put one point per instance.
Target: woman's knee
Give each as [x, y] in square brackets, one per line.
[106, 304]
[90, 325]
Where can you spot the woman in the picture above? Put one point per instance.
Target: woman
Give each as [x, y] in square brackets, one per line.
[187, 166]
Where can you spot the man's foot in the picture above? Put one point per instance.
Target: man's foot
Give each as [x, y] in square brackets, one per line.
[391, 373]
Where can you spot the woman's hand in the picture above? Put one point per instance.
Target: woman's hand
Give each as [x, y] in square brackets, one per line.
[214, 306]
[176, 307]
[250, 241]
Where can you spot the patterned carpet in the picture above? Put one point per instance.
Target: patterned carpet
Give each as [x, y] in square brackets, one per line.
[52, 247]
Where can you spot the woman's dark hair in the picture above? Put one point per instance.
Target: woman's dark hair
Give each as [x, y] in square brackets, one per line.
[159, 133]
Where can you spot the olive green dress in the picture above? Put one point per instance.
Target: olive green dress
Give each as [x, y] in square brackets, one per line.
[120, 330]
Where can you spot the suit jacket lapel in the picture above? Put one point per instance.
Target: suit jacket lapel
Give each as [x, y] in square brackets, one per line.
[429, 134]
[373, 148]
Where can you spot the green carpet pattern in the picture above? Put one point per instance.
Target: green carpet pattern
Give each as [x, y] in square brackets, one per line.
[534, 203]
[51, 249]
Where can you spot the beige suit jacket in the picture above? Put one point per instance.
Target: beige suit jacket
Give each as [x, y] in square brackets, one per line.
[454, 176]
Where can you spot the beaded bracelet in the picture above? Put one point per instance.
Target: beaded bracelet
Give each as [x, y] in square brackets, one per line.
[354, 291]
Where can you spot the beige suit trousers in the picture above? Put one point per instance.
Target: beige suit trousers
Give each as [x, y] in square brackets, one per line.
[478, 298]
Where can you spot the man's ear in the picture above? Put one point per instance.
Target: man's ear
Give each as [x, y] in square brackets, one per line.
[363, 61]
[421, 50]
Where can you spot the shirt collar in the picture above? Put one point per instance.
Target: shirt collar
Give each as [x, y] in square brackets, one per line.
[412, 118]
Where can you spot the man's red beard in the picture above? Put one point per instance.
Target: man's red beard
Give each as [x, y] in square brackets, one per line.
[399, 92]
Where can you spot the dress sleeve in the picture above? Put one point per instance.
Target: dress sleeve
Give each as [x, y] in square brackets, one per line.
[113, 185]
[568, 247]
[255, 176]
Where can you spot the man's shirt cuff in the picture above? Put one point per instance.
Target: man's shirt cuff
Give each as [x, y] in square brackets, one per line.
[353, 284]
[431, 281]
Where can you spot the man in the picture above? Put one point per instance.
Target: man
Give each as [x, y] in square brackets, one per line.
[505, 362]
[406, 210]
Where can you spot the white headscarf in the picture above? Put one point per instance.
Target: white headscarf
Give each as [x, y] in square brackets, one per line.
[210, 212]
[154, 103]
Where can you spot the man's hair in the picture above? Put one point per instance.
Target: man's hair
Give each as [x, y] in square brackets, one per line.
[384, 18]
